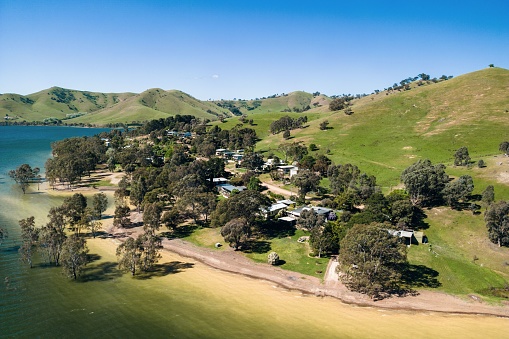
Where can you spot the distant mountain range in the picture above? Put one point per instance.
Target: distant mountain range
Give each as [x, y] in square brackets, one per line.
[73, 106]
[472, 94]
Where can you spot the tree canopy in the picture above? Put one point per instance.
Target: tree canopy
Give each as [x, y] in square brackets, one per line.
[424, 182]
[23, 175]
[497, 222]
[371, 260]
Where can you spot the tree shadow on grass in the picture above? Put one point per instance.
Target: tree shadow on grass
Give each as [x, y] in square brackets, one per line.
[420, 276]
[256, 246]
[161, 270]
[418, 219]
[276, 229]
[181, 231]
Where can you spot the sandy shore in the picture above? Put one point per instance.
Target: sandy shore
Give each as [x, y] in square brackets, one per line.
[234, 262]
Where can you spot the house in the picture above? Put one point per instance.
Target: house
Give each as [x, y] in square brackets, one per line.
[288, 219]
[219, 181]
[408, 236]
[289, 170]
[237, 157]
[273, 210]
[220, 151]
[228, 154]
[318, 210]
[287, 202]
[227, 189]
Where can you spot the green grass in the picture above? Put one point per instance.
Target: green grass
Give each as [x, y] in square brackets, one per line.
[294, 255]
[465, 260]
[206, 237]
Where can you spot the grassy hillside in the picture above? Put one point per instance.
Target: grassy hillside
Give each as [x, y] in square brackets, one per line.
[387, 133]
[292, 102]
[56, 102]
[154, 104]
[103, 108]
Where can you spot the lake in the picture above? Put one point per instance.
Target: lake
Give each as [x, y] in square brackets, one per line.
[189, 300]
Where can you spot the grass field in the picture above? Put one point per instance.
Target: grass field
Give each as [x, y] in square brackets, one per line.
[461, 254]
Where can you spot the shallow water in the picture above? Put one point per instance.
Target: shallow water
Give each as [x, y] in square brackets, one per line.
[187, 300]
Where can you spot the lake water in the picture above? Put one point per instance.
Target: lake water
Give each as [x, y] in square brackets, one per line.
[189, 300]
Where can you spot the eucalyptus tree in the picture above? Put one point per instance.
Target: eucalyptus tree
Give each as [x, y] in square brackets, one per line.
[307, 181]
[23, 175]
[371, 260]
[461, 157]
[424, 182]
[99, 204]
[236, 232]
[129, 255]
[458, 189]
[74, 256]
[152, 217]
[29, 237]
[488, 195]
[497, 222]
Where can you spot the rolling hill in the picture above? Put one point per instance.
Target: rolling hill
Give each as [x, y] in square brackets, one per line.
[103, 108]
[388, 132]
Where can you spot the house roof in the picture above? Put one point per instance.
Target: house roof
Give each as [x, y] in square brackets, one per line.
[318, 210]
[274, 207]
[401, 234]
[287, 167]
[289, 219]
[229, 188]
[286, 202]
[218, 180]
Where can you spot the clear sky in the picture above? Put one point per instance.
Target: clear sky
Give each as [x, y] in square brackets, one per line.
[244, 49]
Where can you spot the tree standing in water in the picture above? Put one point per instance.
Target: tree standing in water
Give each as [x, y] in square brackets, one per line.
[29, 237]
[22, 175]
[74, 256]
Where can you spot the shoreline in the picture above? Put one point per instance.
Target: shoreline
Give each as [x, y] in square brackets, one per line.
[424, 301]
[235, 263]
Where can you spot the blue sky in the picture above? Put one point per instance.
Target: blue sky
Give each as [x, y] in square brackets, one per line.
[244, 49]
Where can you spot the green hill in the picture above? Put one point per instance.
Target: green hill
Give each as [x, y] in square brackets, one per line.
[154, 104]
[388, 132]
[292, 102]
[102, 108]
[56, 102]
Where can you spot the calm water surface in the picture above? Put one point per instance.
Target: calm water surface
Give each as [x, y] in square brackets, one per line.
[192, 302]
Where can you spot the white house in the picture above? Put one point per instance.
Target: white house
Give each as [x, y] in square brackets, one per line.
[288, 170]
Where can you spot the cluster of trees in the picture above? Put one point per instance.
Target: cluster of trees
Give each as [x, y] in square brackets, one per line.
[179, 123]
[142, 253]
[287, 123]
[420, 79]
[53, 242]
[429, 185]
[74, 158]
[238, 137]
[340, 103]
